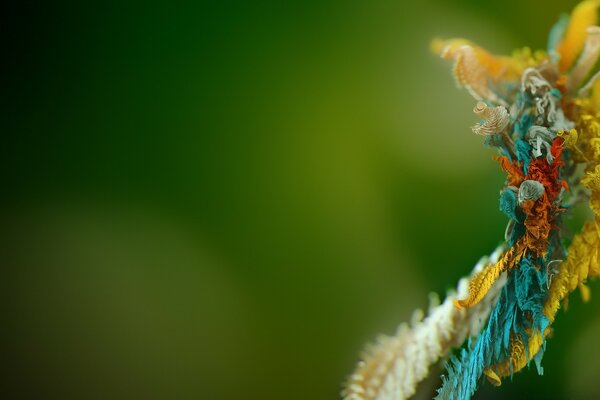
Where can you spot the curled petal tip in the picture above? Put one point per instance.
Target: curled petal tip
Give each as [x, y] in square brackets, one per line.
[458, 304]
[436, 46]
[492, 377]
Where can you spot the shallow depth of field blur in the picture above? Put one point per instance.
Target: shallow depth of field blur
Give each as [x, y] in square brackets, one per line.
[226, 200]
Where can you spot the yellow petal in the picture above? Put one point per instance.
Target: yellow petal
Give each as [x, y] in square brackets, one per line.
[492, 377]
[482, 282]
[583, 16]
[579, 265]
[480, 285]
[518, 358]
[585, 292]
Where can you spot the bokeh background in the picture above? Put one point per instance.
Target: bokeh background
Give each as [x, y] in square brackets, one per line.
[226, 200]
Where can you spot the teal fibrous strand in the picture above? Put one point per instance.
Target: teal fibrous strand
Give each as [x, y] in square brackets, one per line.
[523, 150]
[518, 309]
[523, 124]
[520, 128]
[523, 101]
[531, 290]
[491, 346]
[508, 203]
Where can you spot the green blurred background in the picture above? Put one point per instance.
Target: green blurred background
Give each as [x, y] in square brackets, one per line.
[226, 200]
